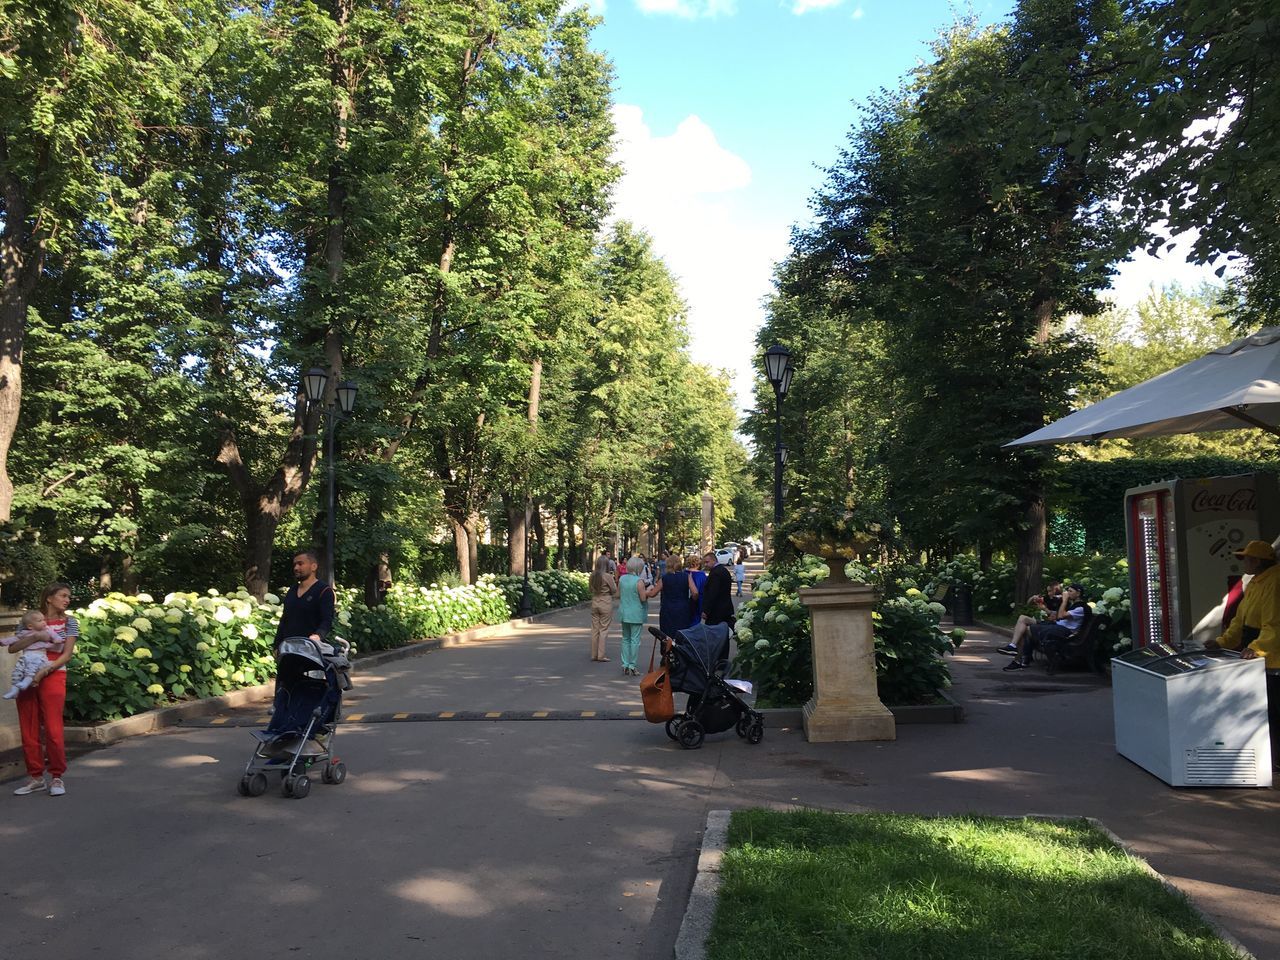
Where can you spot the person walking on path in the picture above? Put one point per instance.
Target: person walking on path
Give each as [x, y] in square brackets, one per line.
[717, 599]
[604, 590]
[740, 568]
[675, 588]
[697, 584]
[308, 607]
[633, 611]
[41, 705]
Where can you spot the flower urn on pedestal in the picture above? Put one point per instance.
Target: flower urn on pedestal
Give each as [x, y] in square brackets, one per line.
[845, 704]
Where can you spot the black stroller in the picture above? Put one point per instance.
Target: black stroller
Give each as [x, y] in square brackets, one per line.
[699, 660]
[310, 679]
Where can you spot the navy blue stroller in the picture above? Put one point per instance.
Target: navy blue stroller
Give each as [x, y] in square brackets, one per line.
[698, 660]
[310, 679]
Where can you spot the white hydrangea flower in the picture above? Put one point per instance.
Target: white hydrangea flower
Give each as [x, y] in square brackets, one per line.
[223, 615]
[156, 689]
[249, 632]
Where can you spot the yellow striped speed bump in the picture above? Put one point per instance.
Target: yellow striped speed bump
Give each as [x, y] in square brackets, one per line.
[405, 716]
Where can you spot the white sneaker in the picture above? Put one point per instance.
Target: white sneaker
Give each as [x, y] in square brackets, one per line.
[57, 788]
[30, 787]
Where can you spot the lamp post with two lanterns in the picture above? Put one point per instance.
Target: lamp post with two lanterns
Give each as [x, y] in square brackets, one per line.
[315, 383]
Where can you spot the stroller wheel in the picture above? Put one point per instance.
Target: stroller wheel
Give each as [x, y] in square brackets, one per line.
[755, 733]
[691, 734]
[334, 773]
[673, 728]
[743, 726]
[297, 787]
[253, 785]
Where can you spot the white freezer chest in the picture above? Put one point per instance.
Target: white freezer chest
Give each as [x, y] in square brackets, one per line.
[1194, 719]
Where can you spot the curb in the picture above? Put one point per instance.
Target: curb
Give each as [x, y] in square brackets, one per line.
[1006, 631]
[695, 928]
[1240, 949]
[950, 712]
[151, 721]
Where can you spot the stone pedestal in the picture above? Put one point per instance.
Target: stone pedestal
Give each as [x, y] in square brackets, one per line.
[845, 705]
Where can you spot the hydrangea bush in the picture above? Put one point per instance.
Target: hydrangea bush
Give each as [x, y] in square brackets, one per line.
[416, 613]
[551, 589]
[135, 653]
[775, 642]
[1105, 580]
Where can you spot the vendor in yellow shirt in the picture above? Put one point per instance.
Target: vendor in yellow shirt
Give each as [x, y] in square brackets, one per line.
[1257, 621]
[1256, 625]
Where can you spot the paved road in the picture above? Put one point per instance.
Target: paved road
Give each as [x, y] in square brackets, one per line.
[550, 838]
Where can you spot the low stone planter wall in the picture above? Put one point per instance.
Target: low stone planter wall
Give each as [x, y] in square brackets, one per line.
[949, 712]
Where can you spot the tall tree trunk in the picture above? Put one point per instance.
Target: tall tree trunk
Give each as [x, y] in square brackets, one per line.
[1034, 534]
[22, 253]
[517, 532]
[473, 544]
[561, 551]
[462, 549]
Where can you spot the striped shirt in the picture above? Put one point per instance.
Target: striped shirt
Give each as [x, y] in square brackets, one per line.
[66, 628]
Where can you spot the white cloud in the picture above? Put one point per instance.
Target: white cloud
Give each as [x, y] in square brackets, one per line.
[801, 7]
[691, 195]
[859, 13]
[689, 9]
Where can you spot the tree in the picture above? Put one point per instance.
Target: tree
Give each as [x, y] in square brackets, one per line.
[1204, 122]
[80, 82]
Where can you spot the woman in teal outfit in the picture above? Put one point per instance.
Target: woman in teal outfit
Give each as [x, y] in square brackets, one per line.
[633, 612]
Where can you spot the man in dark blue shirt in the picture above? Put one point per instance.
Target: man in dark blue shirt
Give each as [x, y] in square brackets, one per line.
[308, 607]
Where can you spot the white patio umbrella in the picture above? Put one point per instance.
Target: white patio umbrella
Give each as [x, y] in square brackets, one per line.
[1234, 386]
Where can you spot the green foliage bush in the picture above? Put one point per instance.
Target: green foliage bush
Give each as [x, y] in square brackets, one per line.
[26, 564]
[551, 589]
[135, 654]
[775, 642]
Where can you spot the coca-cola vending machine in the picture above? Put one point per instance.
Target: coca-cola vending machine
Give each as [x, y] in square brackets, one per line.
[1182, 537]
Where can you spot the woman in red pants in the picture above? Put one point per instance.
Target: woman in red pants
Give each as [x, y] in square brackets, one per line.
[40, 706]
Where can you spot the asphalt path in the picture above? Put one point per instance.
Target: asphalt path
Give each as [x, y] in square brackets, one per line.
[551, 838]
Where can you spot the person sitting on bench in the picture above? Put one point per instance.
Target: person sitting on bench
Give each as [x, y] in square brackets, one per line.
[1068, 619]
[1047, 607]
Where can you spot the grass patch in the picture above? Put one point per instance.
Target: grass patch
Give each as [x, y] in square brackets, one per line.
[817, 885]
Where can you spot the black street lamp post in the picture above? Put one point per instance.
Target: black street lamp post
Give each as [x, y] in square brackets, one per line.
[526, 593]
[314, 383]
[779, 370]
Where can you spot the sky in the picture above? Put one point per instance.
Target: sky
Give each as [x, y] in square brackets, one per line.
[727, 112]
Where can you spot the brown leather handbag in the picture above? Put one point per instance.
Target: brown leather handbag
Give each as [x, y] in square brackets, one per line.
[655, 688]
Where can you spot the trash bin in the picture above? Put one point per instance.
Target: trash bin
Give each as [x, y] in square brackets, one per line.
[962, 605]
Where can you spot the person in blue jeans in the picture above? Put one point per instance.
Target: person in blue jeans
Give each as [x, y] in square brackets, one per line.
[633, 611]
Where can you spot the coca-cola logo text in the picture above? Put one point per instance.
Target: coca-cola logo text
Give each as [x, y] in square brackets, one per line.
[1238, 501]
